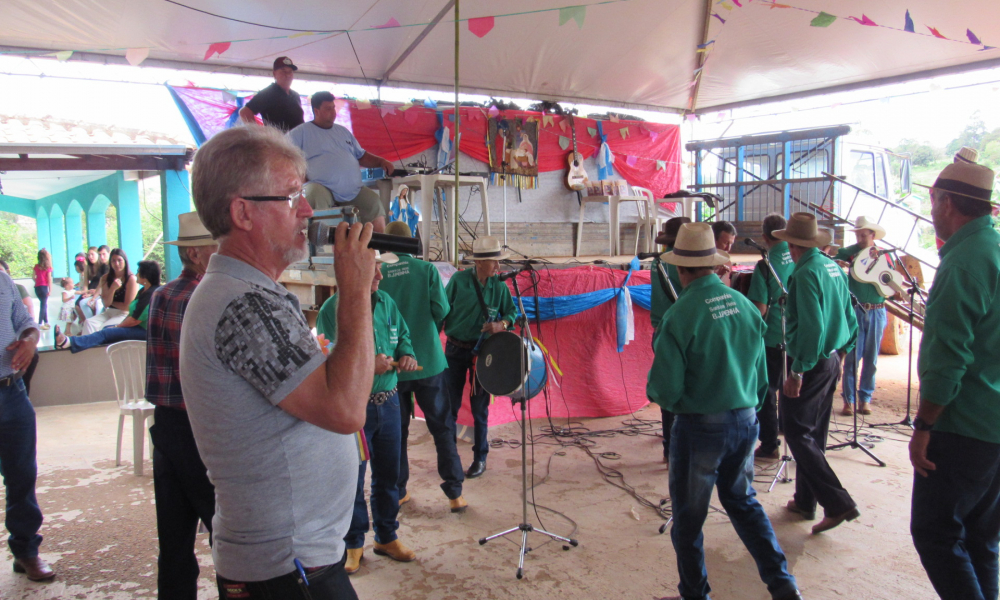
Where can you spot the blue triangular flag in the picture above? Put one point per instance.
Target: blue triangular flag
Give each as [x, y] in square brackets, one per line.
[908, 26]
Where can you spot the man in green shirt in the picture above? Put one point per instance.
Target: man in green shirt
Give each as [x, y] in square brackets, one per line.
[871, 320]
[821, 329]
[392, 350]
[660, 300]
[765, 292]
[711, 339]
[955, 450]
[416, 287]
[481, 305]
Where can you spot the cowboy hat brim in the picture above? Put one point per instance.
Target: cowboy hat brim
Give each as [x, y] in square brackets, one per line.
[665, 240]
[990, 202]
[823, 238]
[201, 240]
[878, 230]
[719, 257]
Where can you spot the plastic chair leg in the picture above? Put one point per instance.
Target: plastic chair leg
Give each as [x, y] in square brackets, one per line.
[121, 429]
[138, 438]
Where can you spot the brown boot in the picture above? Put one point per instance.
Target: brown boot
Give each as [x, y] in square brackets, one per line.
[847, 411]
[864, 409]
[354, 556]
[829, 523]
[395, 550]
[35, 568]
[458, 505]
[405, 499]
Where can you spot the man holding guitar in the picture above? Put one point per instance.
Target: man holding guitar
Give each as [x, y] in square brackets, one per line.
[871, 321]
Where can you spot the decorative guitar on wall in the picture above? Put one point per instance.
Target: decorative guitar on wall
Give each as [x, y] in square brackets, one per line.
[576, 177]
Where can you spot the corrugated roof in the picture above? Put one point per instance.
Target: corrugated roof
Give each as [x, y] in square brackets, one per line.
[48, 130]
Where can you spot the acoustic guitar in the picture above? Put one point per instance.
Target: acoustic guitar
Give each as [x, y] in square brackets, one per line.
[874, 267]
[576, 177]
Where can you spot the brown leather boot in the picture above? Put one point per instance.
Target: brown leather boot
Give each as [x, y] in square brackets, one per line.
[353, 563]
[458, 505]
[35, 568]
[395, 550]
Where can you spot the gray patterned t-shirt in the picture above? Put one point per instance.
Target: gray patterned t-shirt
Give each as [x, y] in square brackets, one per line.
[284, 489]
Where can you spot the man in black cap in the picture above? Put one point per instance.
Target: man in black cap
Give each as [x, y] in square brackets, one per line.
[278, 104]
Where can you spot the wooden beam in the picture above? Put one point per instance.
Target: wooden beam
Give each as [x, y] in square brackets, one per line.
[95, 163]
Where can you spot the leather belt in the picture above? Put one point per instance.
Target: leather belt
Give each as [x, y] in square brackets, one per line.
[8, 381]
[461, 344]
[379, 398]
[873, 306]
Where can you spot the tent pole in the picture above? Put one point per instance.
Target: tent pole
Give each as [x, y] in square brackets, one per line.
[454, 196]
[702, 57]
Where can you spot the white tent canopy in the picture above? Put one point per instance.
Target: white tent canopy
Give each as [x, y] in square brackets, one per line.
[630, 53]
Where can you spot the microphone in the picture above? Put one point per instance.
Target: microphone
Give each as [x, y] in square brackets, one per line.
[509, 274]
[321, 234]
[750, 242]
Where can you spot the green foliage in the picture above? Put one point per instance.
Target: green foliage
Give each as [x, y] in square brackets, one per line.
[972, 136]
[921, 155]
[152, 220]
[18, 245]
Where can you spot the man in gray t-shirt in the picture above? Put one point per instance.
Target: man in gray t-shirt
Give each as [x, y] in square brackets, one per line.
[274, 419]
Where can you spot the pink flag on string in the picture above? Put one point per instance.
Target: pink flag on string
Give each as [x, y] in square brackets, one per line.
[936, 33]
[386, 110]
[864, 20]
[631, 160]
[493, 111]
[411, 116]
[653, 135]
[480, 26]
[217, 48]
[390, 23]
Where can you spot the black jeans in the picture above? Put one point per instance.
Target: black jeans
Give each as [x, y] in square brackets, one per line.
[42, 291]
[955, 516]
[460, 369]
[768, 413]
[807, 424]
[432, 399]
[330, 582]
[667, 418]
[184, 496]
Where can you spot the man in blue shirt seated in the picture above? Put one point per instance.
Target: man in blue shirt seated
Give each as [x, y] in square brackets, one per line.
[333, 164]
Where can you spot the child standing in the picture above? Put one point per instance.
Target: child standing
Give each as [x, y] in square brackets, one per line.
[43, 279]
[67, 312]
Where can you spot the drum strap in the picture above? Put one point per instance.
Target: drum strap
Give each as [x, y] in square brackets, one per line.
[482, 301]
[663, 284]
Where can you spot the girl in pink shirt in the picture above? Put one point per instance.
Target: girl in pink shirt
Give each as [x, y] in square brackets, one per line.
[43, 279]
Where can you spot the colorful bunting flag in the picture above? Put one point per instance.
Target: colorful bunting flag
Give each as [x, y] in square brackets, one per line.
[411, 116]
[493, 111]
[562, 124]
[135, 56]
[972, 37]
[63, 56]
[727, 6]
[406, 106]
[613, 118]
[364, 104]
[548, 120]
[653, 135]
[737, 3]
[390, 23]
[480, 26]
[217, 48]
[577, 13]
[623, 132]
[776, 5]
[864, 20]
[908, 23]
[563, 142]
[386, 110]
[661, 165]
[592, 131]
[431, 104]
[300, 34]
[706, 44]
[631, 160]
[936, 33]
[823, 20]
[721, 20]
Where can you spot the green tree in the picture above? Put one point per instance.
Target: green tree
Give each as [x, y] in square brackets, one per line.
[921, 155]
[18, 245]
[972, 136]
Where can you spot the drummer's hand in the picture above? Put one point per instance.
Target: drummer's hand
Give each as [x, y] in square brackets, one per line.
[407, 363]
[494, 327]
[382, 364]
[723, 270]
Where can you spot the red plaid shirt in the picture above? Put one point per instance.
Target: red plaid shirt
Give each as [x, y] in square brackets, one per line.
[163, 340]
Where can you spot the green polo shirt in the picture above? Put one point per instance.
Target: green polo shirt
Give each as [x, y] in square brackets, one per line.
[659, 299]
[465, 321]
[709, 352]
[392, 336]
[820, 320]
[867, 293]
[959, 363]
[416, 287]
[764, 289]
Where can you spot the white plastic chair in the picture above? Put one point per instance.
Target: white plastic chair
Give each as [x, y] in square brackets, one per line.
[128, 363]
[648, 219]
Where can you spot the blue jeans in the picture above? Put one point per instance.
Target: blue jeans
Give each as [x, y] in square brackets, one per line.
[870, 329]
[42, 292]
[19, 470]
[432, 398]
[460, 369]
[382, 433]
[955, 517]
[716, 451]
[79, 343]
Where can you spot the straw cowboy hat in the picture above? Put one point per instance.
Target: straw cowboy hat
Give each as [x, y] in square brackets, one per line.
[192, 232]
[967, 155]
[398, 228]
[864, 223]
[802, 230]
[487, 248]
[386, 257]
[695, 247]
[966, 179]
[668, 235]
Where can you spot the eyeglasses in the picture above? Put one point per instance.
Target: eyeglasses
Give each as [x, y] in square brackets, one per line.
[293, 199]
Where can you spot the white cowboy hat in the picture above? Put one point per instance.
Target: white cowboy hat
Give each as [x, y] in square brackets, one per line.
[192, 232]
[803, 230]
[488, 248]
[386, 257]
[969, 180]
[864, 223]
[695, 247]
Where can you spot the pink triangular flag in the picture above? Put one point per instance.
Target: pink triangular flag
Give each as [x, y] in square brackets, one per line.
[217, 48]
[631, 160]
[562, 124]
[390, 23]
[864, 20]
[386, 110]
[653, 135]
[480, 26]
[613, 118]
[135, 56]
[493, 111]
[936, 33]
[411, 116]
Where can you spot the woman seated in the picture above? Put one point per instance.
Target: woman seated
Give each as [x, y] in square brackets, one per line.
[117, 291]
[133, 327]
[94, 269]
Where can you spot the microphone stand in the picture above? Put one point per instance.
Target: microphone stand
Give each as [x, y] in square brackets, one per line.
[524, 526]
[853, 441]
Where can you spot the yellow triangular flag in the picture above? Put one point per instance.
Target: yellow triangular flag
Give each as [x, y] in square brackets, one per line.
[548, 120]
[405, 106]
[300, 34]
[562, 124]
[727, 6]
[624, 132]
[364, 104]
[613, 118]
[64, 55]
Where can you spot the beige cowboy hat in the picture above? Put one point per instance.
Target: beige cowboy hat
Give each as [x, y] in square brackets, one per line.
[966, 179]
[192, 232]
[967, 155]
[398, 228]
[864, 223]
[386, 257]
[668, 235]
[488, 248]
[695, 247]
[803, 230]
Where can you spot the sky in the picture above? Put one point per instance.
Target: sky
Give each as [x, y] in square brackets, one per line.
[932, 111]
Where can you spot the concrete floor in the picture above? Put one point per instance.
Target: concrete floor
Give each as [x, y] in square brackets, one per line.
[100, 529]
